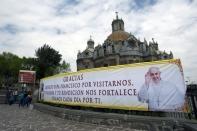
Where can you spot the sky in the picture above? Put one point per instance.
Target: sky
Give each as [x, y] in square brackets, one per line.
[66, 25]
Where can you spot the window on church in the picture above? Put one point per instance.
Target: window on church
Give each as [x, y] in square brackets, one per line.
[104, 48]
[119, 26]
[122, 42]
[131, 61]
[105, 65]
[132, 43]
[112, 62]
[113, 49]
[87, 53]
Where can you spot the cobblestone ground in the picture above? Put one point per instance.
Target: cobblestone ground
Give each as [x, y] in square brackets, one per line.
[13, 118]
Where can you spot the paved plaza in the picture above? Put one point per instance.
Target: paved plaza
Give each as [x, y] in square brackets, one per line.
[13, 118]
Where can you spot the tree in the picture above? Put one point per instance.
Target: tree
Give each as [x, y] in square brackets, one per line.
[28, 63]
[65, 67]
[46, 63]
[62, 68]
[10, 65]
[47, 60]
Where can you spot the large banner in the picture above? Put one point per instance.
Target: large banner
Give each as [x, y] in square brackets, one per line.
[148, 86]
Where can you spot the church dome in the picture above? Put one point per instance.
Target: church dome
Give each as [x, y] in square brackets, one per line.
[118, 36]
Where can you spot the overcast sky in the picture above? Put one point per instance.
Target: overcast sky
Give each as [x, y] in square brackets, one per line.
[66, 25]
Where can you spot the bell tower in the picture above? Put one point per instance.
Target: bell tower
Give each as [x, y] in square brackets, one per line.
[90, 43]
[117, 24]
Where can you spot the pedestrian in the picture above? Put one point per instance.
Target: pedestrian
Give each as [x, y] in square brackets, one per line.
[25, 99]
[11, 98]
[15, 93]
[29, 99]
[8, 91]
[21, 98]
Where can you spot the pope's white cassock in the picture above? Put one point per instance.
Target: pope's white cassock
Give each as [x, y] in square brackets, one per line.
[162, 96]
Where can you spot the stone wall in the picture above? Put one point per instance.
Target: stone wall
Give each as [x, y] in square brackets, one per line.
[145, 123]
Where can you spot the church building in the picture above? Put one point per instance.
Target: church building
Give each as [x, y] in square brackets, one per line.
[120, 47]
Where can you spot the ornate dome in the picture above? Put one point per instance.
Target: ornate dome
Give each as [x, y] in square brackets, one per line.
[118, 36]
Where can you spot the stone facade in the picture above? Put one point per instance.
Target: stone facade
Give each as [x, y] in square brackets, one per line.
[120, 47]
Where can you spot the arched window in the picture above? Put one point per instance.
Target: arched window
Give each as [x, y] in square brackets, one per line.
[113, 49]
[104, 48]
[87, 53]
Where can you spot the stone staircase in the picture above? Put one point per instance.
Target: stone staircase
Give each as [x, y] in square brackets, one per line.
[2, 96]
